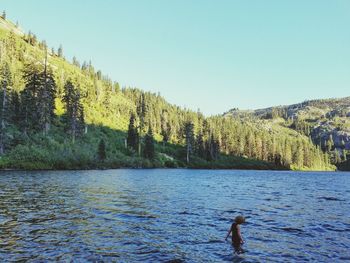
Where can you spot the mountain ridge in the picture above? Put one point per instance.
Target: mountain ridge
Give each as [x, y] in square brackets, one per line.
[325, 121]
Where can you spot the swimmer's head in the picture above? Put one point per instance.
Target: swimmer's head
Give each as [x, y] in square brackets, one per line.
[239, 219]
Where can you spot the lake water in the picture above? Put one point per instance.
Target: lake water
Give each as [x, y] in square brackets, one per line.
[173, 215]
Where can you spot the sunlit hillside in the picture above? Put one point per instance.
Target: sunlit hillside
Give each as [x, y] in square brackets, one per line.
[183, 137]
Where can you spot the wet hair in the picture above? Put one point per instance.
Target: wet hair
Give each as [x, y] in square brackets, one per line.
[239, 219]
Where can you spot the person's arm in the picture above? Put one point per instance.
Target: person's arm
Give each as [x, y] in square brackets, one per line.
[229, 232]
[239, 234]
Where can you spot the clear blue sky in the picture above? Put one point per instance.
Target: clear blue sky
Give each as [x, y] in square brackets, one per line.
[207, 54]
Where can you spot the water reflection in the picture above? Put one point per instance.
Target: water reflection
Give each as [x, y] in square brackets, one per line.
[173, 215]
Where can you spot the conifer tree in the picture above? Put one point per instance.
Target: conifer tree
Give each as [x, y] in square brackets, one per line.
[27, 109]
[60, 51]
[212, 148]
[189, 139]
[46, 99]
[200, 146]
[132, 139]
[76, 62]
[15, 108]
[149, 151]
[38, 98]
[5, 84]
[116, 87]
[75, 110]
[141, 112]
[165, 127]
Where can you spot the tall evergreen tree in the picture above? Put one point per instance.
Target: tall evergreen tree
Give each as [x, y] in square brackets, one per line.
[149, 151]
[75, 110]
[38, 98]
[15, 108]
[132, 139]
[46, 99]
[200, 146]
[60, 51]
[27, 108]
[212, 148]
[141, 112]
[189, 139]
[5, 84]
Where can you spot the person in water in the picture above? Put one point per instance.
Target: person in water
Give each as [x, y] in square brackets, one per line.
[237, 239]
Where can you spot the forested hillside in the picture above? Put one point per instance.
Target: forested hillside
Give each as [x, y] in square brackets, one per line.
[56, 114]
[326, 122]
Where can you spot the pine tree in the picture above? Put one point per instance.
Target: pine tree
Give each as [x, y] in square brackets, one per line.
[299, 155]
[200, 146]
[76, 62]
[149, 151]
[15, 108]
[5, 84]
[116, 87]
[75, 110]
[27, 109]
[165, 127]
[46, 99]
[189, 139]
[132, 139]
[141, 112]
[102, 150]
[3, 15]
[212, 148]
[60, 51]
[38, 98]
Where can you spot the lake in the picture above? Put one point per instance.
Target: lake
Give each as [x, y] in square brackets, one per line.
[173, 215]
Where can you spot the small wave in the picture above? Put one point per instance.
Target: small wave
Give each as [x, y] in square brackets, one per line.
[175, 261]
[292, 229]
[146, 252]
[333, 228]
[214, 241]
[187, 213]
[330, 198]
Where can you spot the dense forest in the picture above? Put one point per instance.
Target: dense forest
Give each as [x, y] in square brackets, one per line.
[56, 114]
[326, 122]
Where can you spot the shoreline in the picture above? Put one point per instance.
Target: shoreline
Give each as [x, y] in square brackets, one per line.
[165, 168]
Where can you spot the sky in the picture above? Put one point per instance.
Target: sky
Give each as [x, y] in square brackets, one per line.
[211, 55]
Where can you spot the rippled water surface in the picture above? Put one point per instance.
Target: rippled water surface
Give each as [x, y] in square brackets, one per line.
[173, 215]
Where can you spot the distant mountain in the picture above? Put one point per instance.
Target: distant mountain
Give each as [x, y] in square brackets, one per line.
[325, 121]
